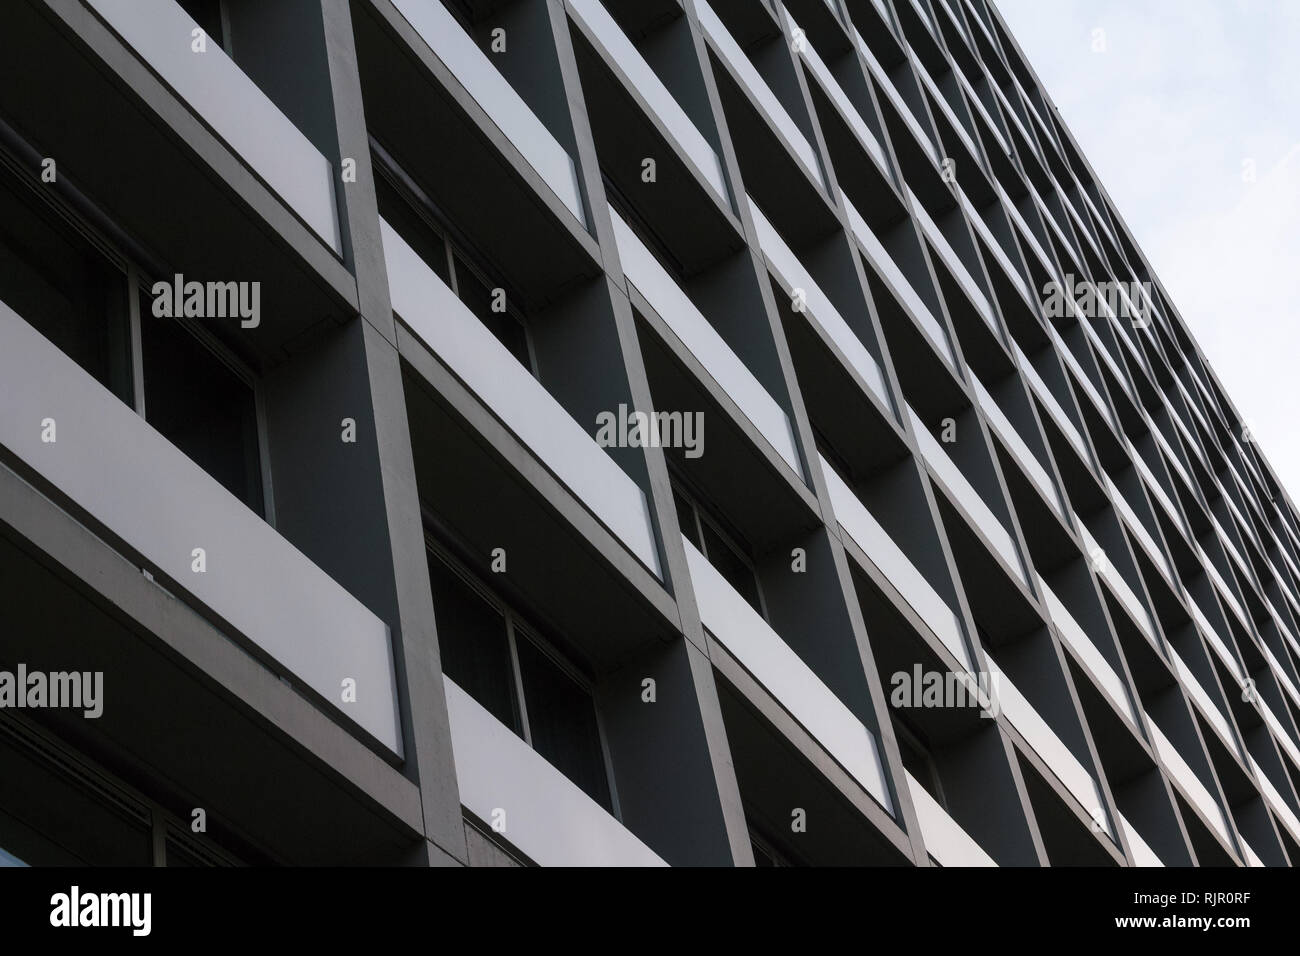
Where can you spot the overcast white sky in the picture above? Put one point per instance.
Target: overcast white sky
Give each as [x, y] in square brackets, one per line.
[1187, 98]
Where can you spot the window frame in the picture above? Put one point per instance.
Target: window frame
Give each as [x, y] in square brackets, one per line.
[225, 41]
[761, 834]
[765, 846]
[457, 249]
[519, 626]
[76, 770]
[135, 274]
[224, 356]
[910, 737]
[703, 514]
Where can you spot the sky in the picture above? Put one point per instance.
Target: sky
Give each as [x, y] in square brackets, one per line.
[1189, 113]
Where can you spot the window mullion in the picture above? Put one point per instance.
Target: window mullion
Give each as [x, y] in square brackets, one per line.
[518, 676]
[133, 279]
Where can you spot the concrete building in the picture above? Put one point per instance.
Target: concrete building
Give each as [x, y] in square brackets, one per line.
[607, 432]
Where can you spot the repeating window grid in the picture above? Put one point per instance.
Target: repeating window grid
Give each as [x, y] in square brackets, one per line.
[1091, 239]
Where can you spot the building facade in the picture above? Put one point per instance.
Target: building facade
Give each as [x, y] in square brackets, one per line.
[608, 432]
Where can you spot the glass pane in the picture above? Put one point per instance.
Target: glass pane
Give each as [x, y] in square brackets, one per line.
[686, 519]
[207, 14]
[58, 282]
[732, 567]
[47, 818]
[472, 641]
[913, 761]
[507, 329]
[428, 244]
[180, 855]
[562, 719]
[201, 406]
[766, 851]
[761, 856]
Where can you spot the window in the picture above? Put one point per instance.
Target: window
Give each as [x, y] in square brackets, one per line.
[640, 228]
[49, 817]
[182, 849]
[832, 457]
[690, 525]
[210, 17]
[67, 281]
[52, 276]
[405, 207]
[562, 721]
[518, 677]
[918, 761]
[766, 851]
[201, 406]
[417, 230]
[730, 560]
[491, 308]
[473, 638]
[57, 808]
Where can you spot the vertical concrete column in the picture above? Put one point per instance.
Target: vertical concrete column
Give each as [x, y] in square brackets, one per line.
[342, 465]
[677, 784]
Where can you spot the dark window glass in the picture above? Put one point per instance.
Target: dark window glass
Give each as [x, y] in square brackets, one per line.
[832, 457]
[913, 760]
[207, 14]
[508, 330]
[427, 242]
[460, 9]
[55, 279]
[201, 406]
[686, 518]
[472, 641]
[732, 567]
[178, 854]
[562, 721]
[766, 851]
[50, 818]
[728, 561]
[917, 761]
